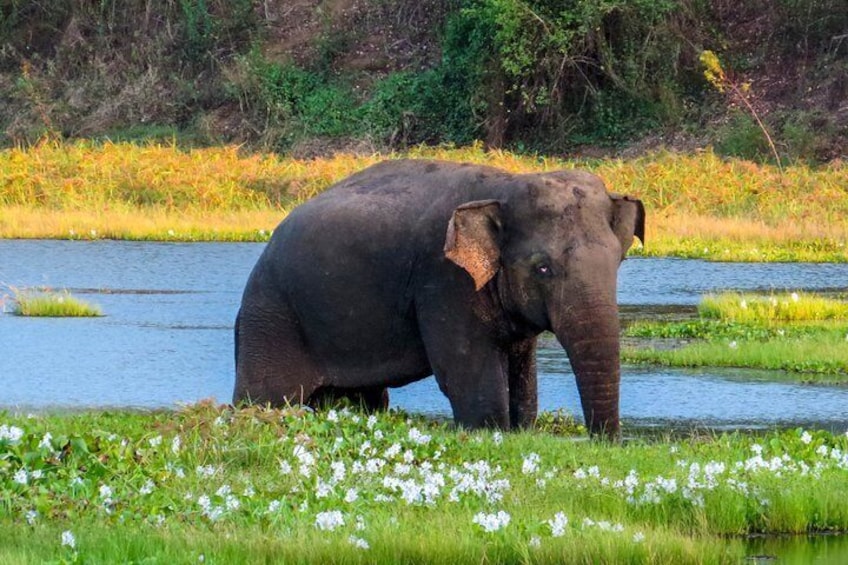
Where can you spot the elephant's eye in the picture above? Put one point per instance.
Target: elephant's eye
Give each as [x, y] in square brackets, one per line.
[543, 270]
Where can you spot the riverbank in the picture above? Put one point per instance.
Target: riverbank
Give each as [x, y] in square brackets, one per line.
[210, 484]
[699, 206]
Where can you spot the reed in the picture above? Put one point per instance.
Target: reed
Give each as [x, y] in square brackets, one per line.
[52, 304]
[699, 205]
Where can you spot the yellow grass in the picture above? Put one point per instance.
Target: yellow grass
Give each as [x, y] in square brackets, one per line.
[698, 205]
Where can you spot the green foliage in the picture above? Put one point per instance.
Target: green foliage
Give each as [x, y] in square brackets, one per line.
[209, 483]
[52, 304]
[741, 137]
[590, 67]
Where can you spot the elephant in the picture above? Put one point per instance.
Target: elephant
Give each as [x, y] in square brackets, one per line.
[412, 268]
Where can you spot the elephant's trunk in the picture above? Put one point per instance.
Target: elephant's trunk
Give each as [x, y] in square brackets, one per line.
[589, 332]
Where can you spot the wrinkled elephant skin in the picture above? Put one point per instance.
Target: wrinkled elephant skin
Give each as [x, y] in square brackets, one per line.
[411, 268]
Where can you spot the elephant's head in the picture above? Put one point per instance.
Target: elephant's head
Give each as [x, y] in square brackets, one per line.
[553, 248]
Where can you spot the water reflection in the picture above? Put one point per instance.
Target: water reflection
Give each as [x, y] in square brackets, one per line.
[798, 550]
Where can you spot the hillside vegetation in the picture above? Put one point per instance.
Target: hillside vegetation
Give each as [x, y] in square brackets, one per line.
[313, 76]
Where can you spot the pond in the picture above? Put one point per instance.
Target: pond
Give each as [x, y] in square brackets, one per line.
[167, 336]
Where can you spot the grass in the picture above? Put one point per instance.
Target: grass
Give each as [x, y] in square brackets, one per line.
[800, 333]
[209, 483]
[699, 205]
[52, 304]
[782, 307]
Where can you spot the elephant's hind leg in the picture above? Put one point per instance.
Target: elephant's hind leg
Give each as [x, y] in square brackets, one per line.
[273, 365]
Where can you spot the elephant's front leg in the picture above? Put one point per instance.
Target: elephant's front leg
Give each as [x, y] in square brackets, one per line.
[471, 371]
[523, 389]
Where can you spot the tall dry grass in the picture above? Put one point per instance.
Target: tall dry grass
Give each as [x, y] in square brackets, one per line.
[698, 204]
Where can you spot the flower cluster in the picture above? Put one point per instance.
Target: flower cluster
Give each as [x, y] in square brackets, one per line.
[700, 479]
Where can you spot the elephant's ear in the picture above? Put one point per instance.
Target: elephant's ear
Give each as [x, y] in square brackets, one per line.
[472, 239]
[628, 220]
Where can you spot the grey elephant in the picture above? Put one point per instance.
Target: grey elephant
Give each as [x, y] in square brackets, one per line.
[411, 268]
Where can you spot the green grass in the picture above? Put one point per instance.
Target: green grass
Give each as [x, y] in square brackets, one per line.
[796, 332]
[782, 307]
[52, 304]
[253, 486]
[47, 303]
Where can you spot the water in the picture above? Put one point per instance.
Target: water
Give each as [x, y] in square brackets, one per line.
[167, 337]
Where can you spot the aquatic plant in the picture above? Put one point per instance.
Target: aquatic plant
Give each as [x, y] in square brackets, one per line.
[799, 332]
[49, 303]
[775, 307]
[209, 482]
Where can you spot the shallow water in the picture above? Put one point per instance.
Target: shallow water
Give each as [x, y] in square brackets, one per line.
[167, 336]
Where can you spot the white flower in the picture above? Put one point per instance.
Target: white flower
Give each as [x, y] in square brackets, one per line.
[378, 434]
[332, 416]
[806, 437]
[373, 466]
[417, 437]
[329, 521]
[530, 464]
[155, 441]
[31, 516]
[371, 422]
[795, 297]
[205, 470]
[46, 441]
[285, 467]
[148, 487]
[224, 490]
[12, 434]
[535, 542]
[743, 304]
[68, 539]
[638, 537]
[733, 345]
[497, 438]
[351, 495]
[491, 522]
[339, 471]
[392, 451]
[322, 489]
[175, 445]
[358, 542]
[274, 506]
[105, 491]
[232, 502]
[21, 477]
[558, 524]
